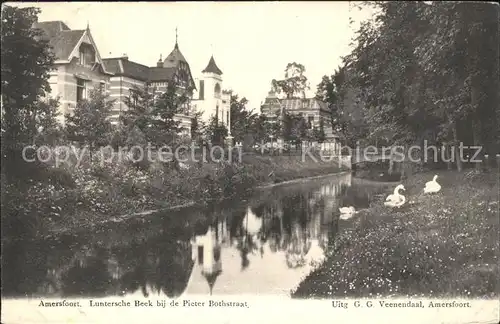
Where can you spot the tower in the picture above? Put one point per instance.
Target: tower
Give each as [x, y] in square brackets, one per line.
[212, 94]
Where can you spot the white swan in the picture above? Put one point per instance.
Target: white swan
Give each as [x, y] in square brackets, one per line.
[396, 199]
[347, 212]
[432, 186]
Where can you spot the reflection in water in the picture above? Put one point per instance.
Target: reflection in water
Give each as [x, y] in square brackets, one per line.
[264, 246]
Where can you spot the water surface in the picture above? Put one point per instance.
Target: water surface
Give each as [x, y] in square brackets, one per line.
[265, 245]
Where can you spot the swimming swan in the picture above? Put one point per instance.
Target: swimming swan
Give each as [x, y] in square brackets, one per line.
[396, 199]
[432, 186]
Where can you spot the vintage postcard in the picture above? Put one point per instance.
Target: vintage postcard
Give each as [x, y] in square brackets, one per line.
[243, 162]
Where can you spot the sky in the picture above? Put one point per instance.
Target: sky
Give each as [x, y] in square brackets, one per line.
[252, 42]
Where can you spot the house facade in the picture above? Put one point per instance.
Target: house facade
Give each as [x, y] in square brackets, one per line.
[79, 68]
[129, 75]
[314, 111]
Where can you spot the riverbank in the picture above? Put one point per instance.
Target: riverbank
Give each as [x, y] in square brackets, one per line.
[444, 245]
[84, 196]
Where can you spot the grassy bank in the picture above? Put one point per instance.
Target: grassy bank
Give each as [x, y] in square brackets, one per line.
[437, 246]
[76, 195]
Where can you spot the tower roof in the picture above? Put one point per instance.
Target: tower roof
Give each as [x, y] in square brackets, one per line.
[212, 67]
[174, 57]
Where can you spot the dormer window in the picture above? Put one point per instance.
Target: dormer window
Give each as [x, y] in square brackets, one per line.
[86, 55]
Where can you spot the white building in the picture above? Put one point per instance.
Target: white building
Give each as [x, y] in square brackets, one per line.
[210, 99]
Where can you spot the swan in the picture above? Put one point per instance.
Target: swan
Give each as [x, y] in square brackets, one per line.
[432, 186]
[396, 199]
[347, 212]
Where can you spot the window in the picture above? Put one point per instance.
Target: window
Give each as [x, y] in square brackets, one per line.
[133, 97]
[82, 57]
[81, 90]
[102, 87]
[202, 90]
[310, 121]
[200, 254]
[217, 90]
[86, 55]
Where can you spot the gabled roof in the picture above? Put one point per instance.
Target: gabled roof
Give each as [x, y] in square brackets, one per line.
[62, 39]
[212, 67]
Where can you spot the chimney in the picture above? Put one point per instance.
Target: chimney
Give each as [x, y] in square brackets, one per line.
[159, 63]
[125, 56]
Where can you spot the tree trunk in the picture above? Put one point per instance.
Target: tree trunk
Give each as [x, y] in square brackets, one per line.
[448, 155]
[458, 157]
[391, 166]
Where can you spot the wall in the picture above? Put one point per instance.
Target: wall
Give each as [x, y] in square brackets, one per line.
[208, 105]
[63, 84]
[119, 91]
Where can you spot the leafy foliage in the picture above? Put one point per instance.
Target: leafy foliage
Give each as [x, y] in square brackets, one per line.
[216, 132]
[417, 73]
[89, 124]
[164, 127]
[294, 83]
[242, 120]
[26, 63]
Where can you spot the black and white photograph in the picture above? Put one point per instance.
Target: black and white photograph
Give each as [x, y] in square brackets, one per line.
[241, 162]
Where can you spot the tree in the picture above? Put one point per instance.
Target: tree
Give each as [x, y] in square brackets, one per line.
[260, 129]
[89, 124]
[49, 131]
[295, 128]
[242, 119]
[26, 63]
[139, 113]
[197, 127]
[164, 126]
[295, 82]
[216, 132]
[319, 132]
[421, 73]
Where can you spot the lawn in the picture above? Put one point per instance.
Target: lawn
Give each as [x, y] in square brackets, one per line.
[442, 245]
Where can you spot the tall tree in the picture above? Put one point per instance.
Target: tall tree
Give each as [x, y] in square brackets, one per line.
[26, 63]
[294, 84]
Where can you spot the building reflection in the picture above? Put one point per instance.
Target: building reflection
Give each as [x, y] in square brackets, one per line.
[292, 232]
